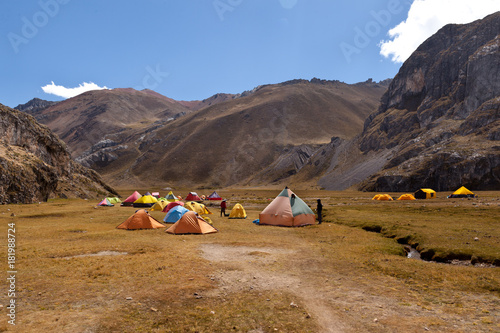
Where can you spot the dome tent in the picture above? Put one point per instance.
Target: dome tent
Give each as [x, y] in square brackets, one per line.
[105, 203]
[462, 192]
[140, 220]
[238, 212]
[191, 223]
[214, 196]
[406, 196]
[287, 210]
[175, 214]
[193, 196]
[425, 193]
[130, 200]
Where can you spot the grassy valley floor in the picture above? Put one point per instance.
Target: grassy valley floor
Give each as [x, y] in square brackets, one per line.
[77, 273]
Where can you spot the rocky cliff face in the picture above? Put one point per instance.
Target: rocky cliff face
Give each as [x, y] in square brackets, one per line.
[35, 165]
[440, 116]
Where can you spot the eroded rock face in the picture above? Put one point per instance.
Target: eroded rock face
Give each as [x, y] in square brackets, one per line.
[35, 165]
[441, 113]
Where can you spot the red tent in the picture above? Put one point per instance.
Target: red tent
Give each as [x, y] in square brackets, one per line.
[172, 205]
[214, 196]
[130, 200]
[192, 196]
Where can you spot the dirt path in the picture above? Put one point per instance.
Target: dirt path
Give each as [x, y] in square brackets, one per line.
[250, 273]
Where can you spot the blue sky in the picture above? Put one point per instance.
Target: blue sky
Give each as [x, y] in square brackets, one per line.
[192, 49]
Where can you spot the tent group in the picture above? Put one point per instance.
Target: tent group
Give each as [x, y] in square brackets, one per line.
[148, 200]
[109, 202]
[287, 209]
[189, 223]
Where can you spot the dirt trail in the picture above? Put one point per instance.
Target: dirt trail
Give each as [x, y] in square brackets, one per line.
[250, 273]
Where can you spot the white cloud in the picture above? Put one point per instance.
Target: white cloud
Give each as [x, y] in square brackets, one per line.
[426, 17]
[62, 91]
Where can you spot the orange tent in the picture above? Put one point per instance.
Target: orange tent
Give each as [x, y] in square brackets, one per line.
[191, 223]
[406, 196]
[140, 220]
[385, 197]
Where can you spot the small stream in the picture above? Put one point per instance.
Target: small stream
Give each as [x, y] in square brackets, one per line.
[412, 253]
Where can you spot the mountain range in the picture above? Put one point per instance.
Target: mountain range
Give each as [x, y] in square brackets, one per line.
[436, 124]
[255, 137]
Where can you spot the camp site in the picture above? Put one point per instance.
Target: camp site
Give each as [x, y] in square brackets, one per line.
[168, 264]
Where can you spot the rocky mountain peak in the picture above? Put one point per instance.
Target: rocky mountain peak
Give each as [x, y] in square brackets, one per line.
[35, 105]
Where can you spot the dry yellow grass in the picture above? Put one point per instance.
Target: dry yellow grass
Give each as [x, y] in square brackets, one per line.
[334, 277]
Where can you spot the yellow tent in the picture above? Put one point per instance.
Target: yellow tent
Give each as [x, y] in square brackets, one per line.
[425, 193]
[406, 196]
[376, 197]
[158, 206]
[171, 197]
[462, 192]
[145, 201]
[238, 212]
[385, 197]
[197, 207]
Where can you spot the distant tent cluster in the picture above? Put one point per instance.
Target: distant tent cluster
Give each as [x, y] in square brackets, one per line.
[109, 202]
[426, 193]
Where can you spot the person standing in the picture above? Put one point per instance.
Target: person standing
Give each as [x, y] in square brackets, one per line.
[223, 206]
[319, 210]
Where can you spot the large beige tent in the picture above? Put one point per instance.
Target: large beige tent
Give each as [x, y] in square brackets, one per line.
[287, 210]
[140, 220]
[191, 223]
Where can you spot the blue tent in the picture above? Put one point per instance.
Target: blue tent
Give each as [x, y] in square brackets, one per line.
[175, 214]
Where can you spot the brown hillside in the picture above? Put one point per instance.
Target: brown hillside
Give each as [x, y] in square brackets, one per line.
[91, 117]
[217, 98]
[260, 138]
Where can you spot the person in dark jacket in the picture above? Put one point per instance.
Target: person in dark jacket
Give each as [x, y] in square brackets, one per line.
[223, 206]
[319, 210]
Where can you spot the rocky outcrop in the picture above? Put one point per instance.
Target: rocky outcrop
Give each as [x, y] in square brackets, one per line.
[440, 115]
[35, 165]
[34, 106]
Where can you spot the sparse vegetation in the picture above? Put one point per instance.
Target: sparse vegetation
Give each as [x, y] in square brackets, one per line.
[333, 276]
